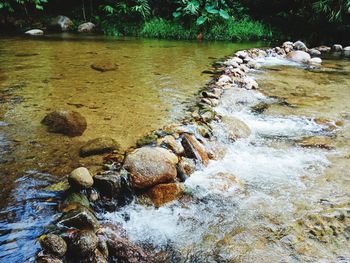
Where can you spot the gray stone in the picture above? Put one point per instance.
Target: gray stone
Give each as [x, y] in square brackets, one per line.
[299, 56]
[87, 27]
[81, 178]
[35, 32]
[300, 46]
[61, 23]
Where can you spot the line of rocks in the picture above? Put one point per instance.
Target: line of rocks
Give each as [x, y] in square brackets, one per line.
[154, 172]
[62, 24]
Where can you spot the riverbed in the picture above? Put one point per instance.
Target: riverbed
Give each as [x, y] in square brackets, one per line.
[154, 83]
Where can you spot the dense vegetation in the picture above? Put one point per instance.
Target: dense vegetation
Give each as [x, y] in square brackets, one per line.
[185, 19]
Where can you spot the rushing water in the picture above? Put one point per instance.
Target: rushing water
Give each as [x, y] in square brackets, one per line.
[267, 199]
[153, 84]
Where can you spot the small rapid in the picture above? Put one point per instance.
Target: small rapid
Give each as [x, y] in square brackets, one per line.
[242, 202]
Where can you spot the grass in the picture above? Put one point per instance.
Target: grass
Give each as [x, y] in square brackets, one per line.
[232, 30]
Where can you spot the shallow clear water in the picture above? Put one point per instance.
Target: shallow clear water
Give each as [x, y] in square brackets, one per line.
[284, 191]
[154, 83]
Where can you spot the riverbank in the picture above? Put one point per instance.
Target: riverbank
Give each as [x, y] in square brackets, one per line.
[156, 174]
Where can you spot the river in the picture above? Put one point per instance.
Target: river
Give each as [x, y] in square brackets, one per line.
[154, 83]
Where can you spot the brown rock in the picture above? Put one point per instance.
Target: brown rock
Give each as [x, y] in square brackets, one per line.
[171, 143]
[299, 56]
[84, 243]
[149, 166]
[104, 66]
[187, 165]
[67, 122]
[47, 259]
[53, 244]
[164, 193]
[317, 141]
[194, 149]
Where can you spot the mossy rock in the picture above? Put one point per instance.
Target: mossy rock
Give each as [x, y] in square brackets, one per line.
[146, 140]
[58, 187]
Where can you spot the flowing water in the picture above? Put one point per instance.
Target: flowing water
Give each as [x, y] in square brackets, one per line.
[267, 199]
[154, 83]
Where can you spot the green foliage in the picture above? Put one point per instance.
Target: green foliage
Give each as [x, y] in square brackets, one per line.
[203, 11]
[335, 10]
[160, 28]
[13, 5]
[241, 30]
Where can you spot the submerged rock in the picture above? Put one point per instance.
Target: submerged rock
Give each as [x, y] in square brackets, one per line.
[67, 122]
[149, 166]
[299, 56]
[317, 141]
[53, 244]
[194, 149]
[81, 178]
[87, 27]
[165, 193]
[104, 66]
[99, 146]
[237, 129]
[34, 32]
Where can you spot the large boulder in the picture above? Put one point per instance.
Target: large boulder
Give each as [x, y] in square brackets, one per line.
[165, 193]
[99, 146]
[149, 166]
[299, 56]
[67, 122]
[81, 178]
[194, 149]
[87, 27]
[35, 32]
[237, 129]
[53, 244]
[61, 24]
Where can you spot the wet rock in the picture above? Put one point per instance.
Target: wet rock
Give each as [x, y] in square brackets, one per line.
[123, 249]
[99, 146]
[187, 165]
[324, 49]
[237, 129]
[260, 107]
[48, 259]
[87, 27]
[81, 178]
[84, 243]
[109, 185]
[58, 187]
[317, 141]
[288, 44]
[102, 246]
[165, 193]
[314, 52]
[53, 245]
[95, 257]
[210, 95]
[253, 64]
[194, 149]
[61, 23]
[149, 166]
[224, 79]
[73, 199]
[35, 32]
[251, 84]
[171, 143]
[337, 48]
[242, 54]
[328, 124]
[104, 66]
[346, 51]
[67, 122]
[300, 46]
[299, 56]
[315, 61]
[208, 115]
[80, 218]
